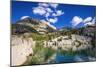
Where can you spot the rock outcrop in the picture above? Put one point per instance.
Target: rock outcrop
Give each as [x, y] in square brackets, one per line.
[76, 42]
[20, 48]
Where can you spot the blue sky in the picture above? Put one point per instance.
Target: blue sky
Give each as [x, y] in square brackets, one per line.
[58, 15]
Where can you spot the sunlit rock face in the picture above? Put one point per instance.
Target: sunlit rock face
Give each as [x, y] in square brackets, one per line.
[20, 48]
[76, 42]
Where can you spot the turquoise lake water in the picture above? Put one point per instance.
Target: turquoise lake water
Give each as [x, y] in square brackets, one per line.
[72, 58]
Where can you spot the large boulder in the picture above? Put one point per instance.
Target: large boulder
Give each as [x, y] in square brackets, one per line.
[20, 48]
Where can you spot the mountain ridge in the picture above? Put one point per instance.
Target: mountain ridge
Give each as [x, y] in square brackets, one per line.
[29, 23]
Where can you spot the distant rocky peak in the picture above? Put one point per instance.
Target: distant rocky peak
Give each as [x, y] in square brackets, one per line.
[28, 20]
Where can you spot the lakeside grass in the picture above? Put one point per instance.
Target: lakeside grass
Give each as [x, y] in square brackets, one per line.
[41, 37]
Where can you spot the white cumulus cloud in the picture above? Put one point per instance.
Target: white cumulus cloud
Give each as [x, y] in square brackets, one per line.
[92, 22]
[43, 4]
[23, 17]
[52, 20]
[88, 19]
[58, 13]
[53, 5]
[89, 23]
[76, 20]
[39, 10]
[49, 10]
[47, 15]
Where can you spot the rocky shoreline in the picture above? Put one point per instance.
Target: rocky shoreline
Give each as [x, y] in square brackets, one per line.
[22, 46]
